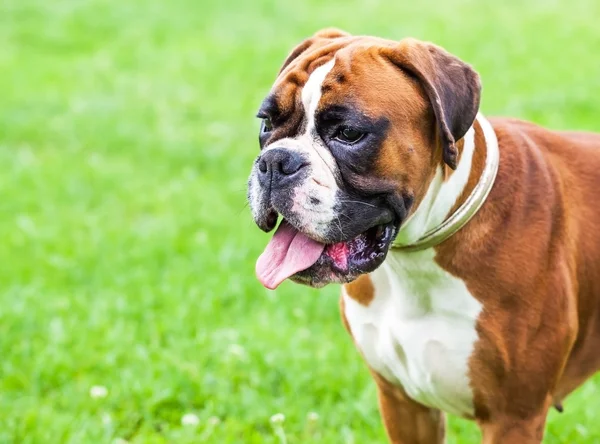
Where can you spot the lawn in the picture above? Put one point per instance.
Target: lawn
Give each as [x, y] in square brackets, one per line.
[127, 289]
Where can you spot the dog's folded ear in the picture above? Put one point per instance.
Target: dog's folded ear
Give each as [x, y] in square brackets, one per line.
[320, 36]
[452, 86]
[331, 33]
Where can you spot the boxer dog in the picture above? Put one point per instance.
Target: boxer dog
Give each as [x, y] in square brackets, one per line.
[468, 248]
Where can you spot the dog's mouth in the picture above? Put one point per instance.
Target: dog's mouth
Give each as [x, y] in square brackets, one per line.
[292, 254]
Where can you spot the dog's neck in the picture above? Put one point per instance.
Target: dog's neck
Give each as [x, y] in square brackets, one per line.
[452, 199]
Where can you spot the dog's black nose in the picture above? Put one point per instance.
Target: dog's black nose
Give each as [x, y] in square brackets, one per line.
[278, 166]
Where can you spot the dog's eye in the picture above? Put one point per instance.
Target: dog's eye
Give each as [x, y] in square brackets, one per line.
[349, 135]
[267, 125]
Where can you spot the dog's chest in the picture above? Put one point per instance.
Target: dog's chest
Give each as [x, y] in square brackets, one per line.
[419, 330]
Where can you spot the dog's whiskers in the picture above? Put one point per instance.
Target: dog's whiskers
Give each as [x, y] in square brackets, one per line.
[358, 202]
[340, 226]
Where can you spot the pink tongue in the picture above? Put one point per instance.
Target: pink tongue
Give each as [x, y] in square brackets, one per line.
[288, 252]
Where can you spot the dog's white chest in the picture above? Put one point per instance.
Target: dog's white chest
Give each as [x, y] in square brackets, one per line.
[419, 330]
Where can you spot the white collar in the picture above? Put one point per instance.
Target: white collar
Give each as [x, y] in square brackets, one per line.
[434, 206]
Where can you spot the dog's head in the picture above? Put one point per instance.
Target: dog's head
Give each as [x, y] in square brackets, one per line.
[352, 133]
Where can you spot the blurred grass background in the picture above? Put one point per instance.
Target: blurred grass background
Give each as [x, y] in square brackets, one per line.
[127, 253]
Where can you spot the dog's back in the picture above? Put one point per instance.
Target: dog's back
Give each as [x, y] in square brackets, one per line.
[570, 161]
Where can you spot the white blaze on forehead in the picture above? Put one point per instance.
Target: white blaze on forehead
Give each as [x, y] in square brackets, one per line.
[322, 183]
[311, 93]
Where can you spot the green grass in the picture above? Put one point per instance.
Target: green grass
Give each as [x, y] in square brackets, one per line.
[127, 253]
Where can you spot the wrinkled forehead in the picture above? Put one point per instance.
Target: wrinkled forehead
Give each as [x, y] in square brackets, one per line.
[335, 76]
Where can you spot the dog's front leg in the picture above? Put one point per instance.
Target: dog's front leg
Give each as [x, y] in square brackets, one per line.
[406, 421]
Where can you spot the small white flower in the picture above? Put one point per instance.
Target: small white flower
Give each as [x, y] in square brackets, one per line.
[277, 418]
[298, 312]
[237, 350]
[304, 333]
[120, 441]
[313, 416]
[213, 421]
[190, 420]
[106, 419]
[98, 391]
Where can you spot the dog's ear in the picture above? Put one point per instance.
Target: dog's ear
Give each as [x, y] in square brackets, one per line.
[330, 33]
[452, 86]
[323, 34]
